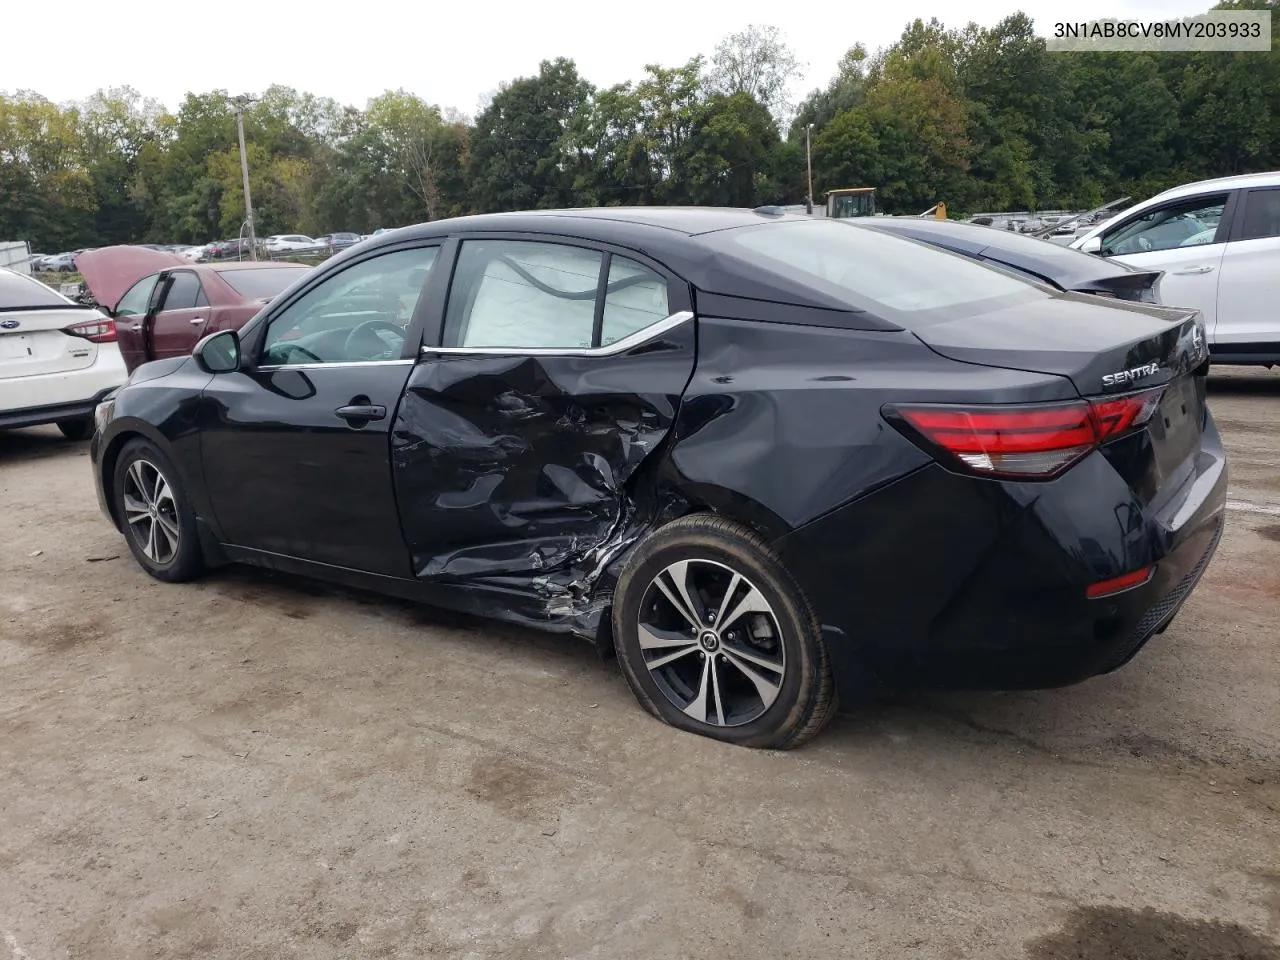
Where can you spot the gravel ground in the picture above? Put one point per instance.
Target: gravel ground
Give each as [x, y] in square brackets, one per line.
[253, 767]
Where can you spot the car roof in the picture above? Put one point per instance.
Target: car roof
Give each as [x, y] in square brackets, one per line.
[244, 265]
[600, 222]
[688, 241]
[1239, 182]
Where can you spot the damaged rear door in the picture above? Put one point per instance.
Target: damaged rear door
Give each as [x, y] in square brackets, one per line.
[556, 374]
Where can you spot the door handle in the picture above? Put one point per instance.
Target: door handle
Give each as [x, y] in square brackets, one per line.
[197, 320]
[361, 411]
[1190, 271]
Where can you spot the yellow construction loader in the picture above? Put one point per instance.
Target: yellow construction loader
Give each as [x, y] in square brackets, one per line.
[861, 202]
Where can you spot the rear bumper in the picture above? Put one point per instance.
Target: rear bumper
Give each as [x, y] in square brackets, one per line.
[953, 582]
[35, 416]
[50, 397]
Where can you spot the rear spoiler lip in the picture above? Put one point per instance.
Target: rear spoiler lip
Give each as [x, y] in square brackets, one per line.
[1142, 278]
[46, 307]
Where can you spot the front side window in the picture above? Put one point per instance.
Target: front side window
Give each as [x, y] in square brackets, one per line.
[1261, 215]
[184, 293]
[136, 299]
[359, 314]
[511, 294]
[1186, 223]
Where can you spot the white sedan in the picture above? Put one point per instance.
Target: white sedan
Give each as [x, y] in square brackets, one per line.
[1218, 243]
[289, 241]
[57, 358]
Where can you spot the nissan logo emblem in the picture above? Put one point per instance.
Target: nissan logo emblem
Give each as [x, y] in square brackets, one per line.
[9, 325]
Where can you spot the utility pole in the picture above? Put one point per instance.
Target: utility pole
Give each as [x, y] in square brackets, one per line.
[241, 102]
[808, 162]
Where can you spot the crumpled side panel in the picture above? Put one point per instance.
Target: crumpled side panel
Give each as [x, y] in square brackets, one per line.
[520, 465]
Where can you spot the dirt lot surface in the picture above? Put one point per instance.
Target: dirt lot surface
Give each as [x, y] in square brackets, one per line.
[251, 767]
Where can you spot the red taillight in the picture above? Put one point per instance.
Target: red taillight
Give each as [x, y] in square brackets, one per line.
[1031, 440]
[95, 331]
[1126, 581]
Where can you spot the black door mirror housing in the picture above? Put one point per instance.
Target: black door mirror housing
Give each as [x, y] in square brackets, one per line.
[218, 352]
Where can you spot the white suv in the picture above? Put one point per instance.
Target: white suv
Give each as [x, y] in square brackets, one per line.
[1218, 243]
[57, 358]
[289, 241]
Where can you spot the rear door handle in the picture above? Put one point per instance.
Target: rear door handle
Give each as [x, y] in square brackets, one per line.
[362, 411]
[1191, 271]
[197, 320]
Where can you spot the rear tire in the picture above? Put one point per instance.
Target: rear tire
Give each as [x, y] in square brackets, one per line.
[753, 670]
[155, 514]
[77, 430]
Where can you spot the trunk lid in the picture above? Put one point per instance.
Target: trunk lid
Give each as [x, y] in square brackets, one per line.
[110, 271]
[32, 342]
[1102, 348]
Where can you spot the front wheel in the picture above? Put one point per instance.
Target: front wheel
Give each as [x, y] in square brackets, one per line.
[715, 637]
[157, 517]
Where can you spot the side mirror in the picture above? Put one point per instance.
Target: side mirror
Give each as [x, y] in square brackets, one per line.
[218, 352]
[1092, 245]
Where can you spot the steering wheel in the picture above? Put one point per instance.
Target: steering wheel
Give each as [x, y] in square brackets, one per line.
[363, 342]
[1144, 244]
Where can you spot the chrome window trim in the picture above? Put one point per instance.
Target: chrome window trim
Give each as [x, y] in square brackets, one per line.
[398, 362]
[641, 336]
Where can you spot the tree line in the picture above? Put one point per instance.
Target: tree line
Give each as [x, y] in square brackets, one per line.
[983, 118]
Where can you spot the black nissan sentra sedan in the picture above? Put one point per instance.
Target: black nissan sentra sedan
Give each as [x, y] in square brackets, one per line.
[770, 461]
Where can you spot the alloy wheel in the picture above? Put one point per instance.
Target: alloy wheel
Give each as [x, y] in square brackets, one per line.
[151, 511]
[711, 642]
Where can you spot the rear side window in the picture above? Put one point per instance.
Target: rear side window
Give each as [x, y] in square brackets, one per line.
[1261, 215]
[868, 269]
[517, 294]
[635, 298]
[547, 296]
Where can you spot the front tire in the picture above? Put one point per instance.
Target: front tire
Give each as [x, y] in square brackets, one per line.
[714, 636]
[77, 430]
[156, 515]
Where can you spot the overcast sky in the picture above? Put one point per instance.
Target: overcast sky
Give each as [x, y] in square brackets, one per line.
[451, 54]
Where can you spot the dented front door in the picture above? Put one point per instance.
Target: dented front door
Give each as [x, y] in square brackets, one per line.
[518, 440]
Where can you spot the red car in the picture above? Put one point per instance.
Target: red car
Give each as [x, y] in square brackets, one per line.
[163, 303]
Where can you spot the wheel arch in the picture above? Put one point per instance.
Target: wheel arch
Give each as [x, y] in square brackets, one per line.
[121, 433]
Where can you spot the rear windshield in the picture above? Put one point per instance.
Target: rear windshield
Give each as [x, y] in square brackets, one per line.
[22, 293]
[885, 275]
[260, 284]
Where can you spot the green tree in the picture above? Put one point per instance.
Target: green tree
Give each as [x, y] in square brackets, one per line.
[517, 154]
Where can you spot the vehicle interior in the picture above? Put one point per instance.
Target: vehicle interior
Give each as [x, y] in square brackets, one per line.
[362, 318]
[1183, 225]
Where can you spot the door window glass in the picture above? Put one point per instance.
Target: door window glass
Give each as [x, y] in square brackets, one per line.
[635, 298]
[358, 314]
[135, 300]
[184, 293]
[1261, 215]
[519, 294]
[1186, 223]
